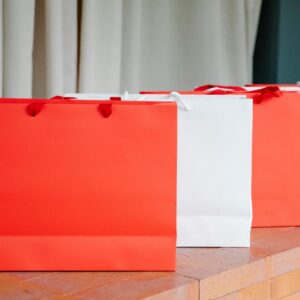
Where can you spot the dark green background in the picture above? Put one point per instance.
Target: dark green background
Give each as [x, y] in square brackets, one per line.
[277, 50]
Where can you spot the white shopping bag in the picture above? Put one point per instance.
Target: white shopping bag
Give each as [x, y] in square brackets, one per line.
[214, 167]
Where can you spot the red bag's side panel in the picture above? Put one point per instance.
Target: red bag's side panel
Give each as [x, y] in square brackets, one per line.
[80, 191]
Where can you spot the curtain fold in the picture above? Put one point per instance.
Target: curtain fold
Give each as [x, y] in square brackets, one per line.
[55, 47]
[100, 45]
[16, 47]
[49, 47]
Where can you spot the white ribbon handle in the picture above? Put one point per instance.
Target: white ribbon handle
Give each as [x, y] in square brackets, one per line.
[174, 95]
[125, 97]
[179, 99]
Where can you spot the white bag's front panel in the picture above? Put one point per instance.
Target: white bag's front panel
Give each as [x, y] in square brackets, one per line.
[214, 173]
[214, 169]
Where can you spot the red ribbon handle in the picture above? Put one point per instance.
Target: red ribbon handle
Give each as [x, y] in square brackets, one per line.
[265, 93]
[260, 95]
[62, 98]
[33, 109]
[206, 87]
[106, 108]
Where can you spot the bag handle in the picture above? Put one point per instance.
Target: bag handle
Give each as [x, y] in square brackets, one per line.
[175, 95]
[33, 109]
[179, 99]
[62, 98]
[206, 87]
[266, 93]
[260, 94]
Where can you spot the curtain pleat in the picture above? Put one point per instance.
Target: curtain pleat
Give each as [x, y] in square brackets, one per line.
[100, 46]
[55, 47]
[17, 43]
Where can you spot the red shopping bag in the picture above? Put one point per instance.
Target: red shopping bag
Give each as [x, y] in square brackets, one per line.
[276, 161]
[276, 156]
[87, 185]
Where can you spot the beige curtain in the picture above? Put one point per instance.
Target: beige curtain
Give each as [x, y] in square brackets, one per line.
[49, 47]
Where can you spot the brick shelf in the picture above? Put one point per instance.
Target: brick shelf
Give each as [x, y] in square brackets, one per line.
[270, 269]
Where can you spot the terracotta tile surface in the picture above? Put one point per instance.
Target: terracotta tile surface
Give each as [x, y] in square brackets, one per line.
[259, 291]
[225, 270]
[61, 297]
[190, 291]
[234, 280]
[11, 289]
[285, 285]
[271, 264]
[284, 262]
[72, 282]
[108, 285]
[145, 286]
[295, 296]
[201, 263]
[257, 233]
[275, 241]
[204, 262]
[22, 276]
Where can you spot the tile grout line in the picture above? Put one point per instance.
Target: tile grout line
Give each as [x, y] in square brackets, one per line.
[291, 294]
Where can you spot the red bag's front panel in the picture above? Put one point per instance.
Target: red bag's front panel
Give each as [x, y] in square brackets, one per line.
[81, 191]
[276, 161]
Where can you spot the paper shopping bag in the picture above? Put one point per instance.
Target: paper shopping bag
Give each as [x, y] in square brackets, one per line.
[214, 168]
[276, 160]
[87, 185]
